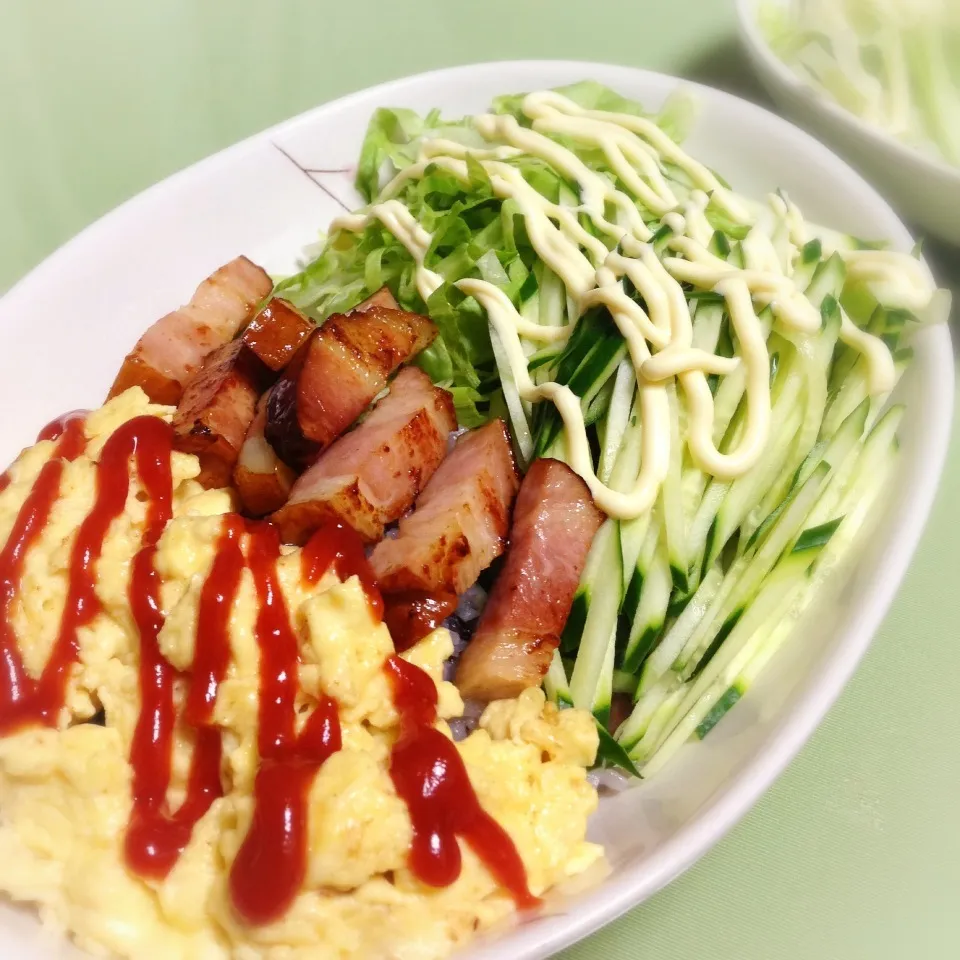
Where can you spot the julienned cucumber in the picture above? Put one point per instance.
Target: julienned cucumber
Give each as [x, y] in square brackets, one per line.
[681, 607]
[700, 642]
[816, 554]
[599, 598]
[836, 537]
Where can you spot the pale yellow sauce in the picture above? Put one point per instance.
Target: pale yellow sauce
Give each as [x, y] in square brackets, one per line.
[659, 338]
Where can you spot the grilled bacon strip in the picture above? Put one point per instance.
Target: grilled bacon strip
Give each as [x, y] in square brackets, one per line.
[262, 479]
[371, 476]
[460, 523]
[554, 523]
[173, 348]
[381, 298]
[336, 375]
[217, 408]
[277, 332]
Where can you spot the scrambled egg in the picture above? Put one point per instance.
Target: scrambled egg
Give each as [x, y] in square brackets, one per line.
[65, 792]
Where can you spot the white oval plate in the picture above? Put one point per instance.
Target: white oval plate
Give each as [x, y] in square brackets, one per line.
[81, 310]
[925, 189]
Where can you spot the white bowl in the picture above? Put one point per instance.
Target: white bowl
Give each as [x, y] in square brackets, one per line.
[82, 308]
[923, 189]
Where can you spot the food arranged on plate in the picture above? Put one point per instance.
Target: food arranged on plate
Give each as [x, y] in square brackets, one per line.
[311, 633]
[895, 64]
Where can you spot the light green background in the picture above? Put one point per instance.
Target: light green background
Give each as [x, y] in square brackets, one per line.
[855, 853]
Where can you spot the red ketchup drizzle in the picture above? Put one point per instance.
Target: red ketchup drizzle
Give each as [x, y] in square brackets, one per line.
[70, 424]
[271, 865]
[24, 700]
[430, 777]
[338, 546]
[411, 615]
[156, 837]
[212, 652]
[55, 429]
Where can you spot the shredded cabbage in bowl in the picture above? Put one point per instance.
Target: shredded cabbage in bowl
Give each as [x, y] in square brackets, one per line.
[895, 64]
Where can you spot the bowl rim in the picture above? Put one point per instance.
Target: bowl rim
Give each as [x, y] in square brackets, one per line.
[700, 833]
[760, 47]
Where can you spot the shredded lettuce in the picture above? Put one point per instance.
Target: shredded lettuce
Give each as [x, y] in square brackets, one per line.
[475, 234]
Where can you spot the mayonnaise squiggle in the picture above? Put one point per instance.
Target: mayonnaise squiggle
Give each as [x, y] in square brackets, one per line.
[659, 333]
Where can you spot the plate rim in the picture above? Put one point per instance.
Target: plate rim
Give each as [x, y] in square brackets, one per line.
[700, 833]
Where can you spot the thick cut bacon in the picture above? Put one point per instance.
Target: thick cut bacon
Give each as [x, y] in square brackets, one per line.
[277, 332]
[262, 479]
[174, 347]
[371, 476]
[218, 406]
[336, 375]
[554, 523]
[460, 522]
[381, 298]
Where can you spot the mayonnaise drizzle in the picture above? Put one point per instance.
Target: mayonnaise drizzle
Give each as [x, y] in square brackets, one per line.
[659, 333]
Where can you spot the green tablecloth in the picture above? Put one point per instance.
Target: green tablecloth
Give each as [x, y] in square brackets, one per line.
[855, 852]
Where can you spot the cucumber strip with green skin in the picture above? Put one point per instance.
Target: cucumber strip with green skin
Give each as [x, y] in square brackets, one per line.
[707, 322]
[595, 571]
[719, 245]
[545, 357]
[719, 710]
[876, 453]
[817, 360]
[836, 452]
[590, 375]
[806, 264]
[746, 491]
[653, 718]
[667, 651]
[651, 610]
[671, 496]
[624, 475]
[745, 578]
[703, 520]
[624, 682]
[842, 453]
[856, 387]
[618, 418]
[603, 694]
[555, 683]
[863, 498]
[633, 580]
[700, 695]
[596, 411]
[731, 417]
[828, 280]
[603, 582]
[636, 725]
[661, 721]
[523, 438]
[846, 357]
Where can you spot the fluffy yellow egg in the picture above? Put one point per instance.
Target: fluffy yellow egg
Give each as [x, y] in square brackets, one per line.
[65, 791]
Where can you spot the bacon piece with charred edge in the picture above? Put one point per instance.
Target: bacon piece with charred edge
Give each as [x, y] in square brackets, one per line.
[262, 479]
[554, 523]
[174, 347]
[218, 406]
[371, 476]
[277, 332]
[460, 522]
[336, 375]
